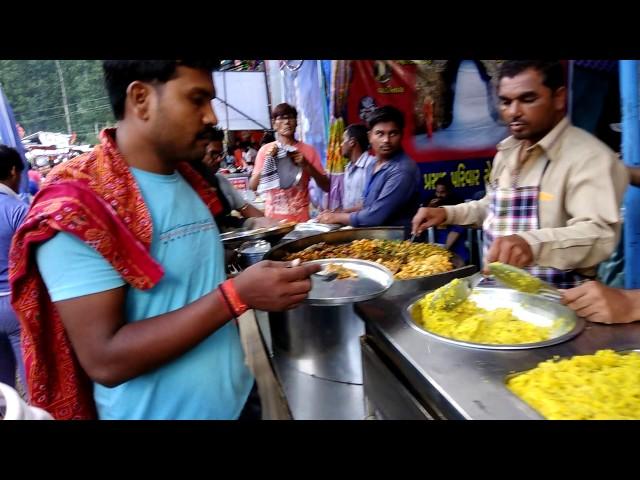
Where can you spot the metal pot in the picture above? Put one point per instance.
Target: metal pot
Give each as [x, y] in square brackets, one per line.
[399, 287]
[323, 341]
[250, 253]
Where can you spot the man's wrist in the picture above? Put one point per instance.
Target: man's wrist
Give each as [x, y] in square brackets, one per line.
[633, 300]
[222, 299]
[234, 302]
[533, 244]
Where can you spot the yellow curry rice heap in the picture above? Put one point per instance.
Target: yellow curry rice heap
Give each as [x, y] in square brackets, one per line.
[603, 386]
[470, 323]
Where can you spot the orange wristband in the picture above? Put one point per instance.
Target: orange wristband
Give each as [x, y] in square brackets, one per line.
[224, 301]
[237, 306]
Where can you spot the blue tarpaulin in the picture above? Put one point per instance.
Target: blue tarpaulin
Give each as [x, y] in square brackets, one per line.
[303, 90]
[9, 136]
[630, 100]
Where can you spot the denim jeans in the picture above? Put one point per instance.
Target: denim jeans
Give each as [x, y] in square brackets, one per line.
[10, 352]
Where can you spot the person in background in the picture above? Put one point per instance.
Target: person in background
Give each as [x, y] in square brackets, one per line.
[35, 179]
[453, 237]
[392, 194]
[249, 155]
[595, 99]
[268, 137]
[355, 146]
[291, 203]
[229, 160]
[12, 213]
[230, 197]
[238, 153]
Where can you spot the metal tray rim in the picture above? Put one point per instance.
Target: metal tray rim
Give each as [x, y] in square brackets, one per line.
[317, 237]
[511, 375]
[348, 300]
[564, 357]
[255, 234]
[575, 331]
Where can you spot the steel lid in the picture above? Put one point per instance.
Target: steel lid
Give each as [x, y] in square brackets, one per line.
[372, 281]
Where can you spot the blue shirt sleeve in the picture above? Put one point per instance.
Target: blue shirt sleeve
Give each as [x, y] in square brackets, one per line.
[18, 215]
[396, 191]
[70, 268]
[457, 228]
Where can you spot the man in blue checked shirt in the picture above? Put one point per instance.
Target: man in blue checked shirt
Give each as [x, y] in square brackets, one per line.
[392, 195]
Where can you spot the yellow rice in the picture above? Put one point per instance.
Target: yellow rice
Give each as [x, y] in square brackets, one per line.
[470, 323]
[603, 386]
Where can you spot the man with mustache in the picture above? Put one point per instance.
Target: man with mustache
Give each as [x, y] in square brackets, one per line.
[391, 194]
[553, 201]
[117, 273]
[230, 197]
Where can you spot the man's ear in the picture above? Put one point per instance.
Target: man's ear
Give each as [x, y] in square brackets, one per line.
[14, 177]
[560, 98]
[139, 99]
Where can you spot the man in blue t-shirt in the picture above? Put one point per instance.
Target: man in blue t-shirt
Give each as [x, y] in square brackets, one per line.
[168, 352]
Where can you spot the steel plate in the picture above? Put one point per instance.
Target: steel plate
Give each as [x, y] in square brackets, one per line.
[533, 309]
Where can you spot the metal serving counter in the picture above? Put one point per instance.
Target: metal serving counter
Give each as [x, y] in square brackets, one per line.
[411, 375]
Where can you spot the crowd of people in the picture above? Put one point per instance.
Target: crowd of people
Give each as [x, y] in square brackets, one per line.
[130, 233]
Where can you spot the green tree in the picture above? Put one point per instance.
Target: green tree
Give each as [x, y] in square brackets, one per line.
[34, 92]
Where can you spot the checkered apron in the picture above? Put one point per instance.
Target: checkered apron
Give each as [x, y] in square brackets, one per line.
[514, 210]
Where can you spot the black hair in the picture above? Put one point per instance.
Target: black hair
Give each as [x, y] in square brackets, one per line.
[9, 158]
[284, 109]
[268, 137]
[552, 71]
[216, 134]
[359, 133]
[445, 181]
[119, 74]
[386, 114]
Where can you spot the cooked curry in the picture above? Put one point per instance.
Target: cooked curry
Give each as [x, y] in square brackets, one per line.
[343, 272]
[405, 259]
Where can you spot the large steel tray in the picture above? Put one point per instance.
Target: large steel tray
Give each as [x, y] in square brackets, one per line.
[399, 287]
[533, 309]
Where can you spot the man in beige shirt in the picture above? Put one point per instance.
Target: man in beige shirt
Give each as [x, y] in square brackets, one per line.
[553, 200]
